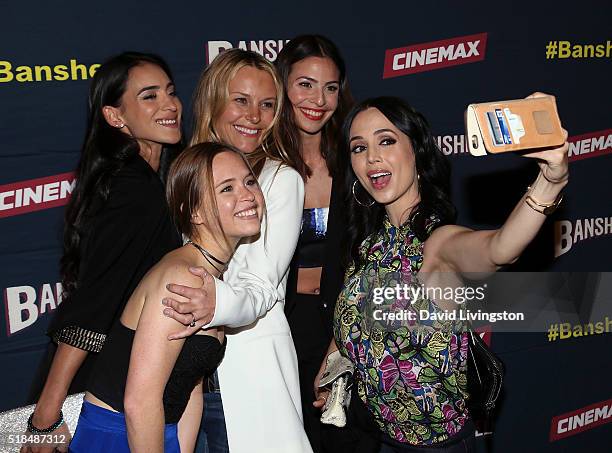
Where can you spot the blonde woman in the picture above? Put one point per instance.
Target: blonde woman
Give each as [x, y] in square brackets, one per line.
[238, 101]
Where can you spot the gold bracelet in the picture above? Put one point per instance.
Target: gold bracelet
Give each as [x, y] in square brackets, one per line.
[543, 208]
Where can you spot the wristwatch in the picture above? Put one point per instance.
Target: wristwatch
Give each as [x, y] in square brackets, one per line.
[543, 208]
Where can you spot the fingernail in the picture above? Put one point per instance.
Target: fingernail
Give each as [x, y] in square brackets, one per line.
[164, 302]
[167, 312]
[168, 286]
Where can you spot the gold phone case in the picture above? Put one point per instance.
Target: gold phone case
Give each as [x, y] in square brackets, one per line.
[500, 127]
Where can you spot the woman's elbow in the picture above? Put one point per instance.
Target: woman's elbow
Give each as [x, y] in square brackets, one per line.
[137, 403]
[131, 406]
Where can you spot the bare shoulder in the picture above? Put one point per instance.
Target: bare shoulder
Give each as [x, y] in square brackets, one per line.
[172, 268]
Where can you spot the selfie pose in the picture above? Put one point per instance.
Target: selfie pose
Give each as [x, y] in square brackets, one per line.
[401, 223]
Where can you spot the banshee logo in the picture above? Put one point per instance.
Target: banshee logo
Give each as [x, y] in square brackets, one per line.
[568, 233]
[268, 48]
[25, 304]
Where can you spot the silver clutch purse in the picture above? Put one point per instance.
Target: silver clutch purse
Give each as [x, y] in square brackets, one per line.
[338, 371]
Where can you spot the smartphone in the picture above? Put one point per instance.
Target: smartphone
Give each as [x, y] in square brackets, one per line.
[515, 125]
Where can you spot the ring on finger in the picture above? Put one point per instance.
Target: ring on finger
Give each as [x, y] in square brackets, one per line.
[193, 321]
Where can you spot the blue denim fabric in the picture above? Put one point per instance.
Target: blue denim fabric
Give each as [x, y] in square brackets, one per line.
[213, 435]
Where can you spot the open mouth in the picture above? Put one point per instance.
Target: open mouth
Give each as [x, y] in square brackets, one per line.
[379, 178]
[311, 114]
[247, 132]
[250, 213]
[172, 123]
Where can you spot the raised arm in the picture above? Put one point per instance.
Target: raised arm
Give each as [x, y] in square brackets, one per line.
[464, 250]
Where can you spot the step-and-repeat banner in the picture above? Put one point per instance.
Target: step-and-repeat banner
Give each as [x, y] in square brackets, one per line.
[440, 56]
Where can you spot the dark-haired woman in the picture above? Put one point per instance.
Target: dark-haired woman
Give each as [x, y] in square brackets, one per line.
[142, 382]
[117, 222]
[317, 98]
[412, 378]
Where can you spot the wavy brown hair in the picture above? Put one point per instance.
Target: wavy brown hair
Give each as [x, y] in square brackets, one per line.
[297, 49]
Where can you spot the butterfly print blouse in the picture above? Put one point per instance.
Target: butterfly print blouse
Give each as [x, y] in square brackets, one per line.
[411, 377]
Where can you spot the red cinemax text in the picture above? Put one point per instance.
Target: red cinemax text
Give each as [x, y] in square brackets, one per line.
[585, 418]
[434, 55]
[35, 194]
[268, 48]
[593, 144]
[24, 305]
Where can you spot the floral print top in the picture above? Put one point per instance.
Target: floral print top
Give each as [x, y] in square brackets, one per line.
[410, 375]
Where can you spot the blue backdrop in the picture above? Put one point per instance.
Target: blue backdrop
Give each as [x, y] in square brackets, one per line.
[48, 52]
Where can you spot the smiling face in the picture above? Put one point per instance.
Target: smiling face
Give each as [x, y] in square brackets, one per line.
[383, 160]
[249, 111]
[149, 108]
[238, 196]
[312, 87]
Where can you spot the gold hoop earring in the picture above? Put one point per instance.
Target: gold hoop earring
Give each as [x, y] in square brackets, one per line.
[357, 199]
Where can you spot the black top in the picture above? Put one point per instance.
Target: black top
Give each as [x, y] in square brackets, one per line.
[311, 246]
[130, 233]
[332, 276]
[199, 358]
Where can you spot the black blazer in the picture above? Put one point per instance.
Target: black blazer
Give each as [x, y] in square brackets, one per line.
[332, 276]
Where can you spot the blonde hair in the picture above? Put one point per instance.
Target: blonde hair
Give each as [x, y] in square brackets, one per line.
[211, 97]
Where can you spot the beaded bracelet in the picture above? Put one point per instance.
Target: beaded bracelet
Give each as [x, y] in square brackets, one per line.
[34, 430]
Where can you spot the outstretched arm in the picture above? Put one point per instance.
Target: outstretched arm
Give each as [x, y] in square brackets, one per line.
[465, 250]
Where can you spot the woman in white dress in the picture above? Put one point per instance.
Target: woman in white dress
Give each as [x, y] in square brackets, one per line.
[238, 101]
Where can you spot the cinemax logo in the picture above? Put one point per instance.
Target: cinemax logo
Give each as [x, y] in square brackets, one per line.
[268, 48]
[575, 422]
[434, 55]
[593, 144]
[35, 194]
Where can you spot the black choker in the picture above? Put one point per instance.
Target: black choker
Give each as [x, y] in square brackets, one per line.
[209, 256]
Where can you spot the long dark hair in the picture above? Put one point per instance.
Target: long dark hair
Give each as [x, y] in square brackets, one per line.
[432, 168]
[105, 151]
[294, 51]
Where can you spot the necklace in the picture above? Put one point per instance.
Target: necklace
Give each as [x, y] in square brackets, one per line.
[209, 256]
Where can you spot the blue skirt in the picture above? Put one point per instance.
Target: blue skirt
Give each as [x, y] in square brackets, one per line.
[101, 430]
